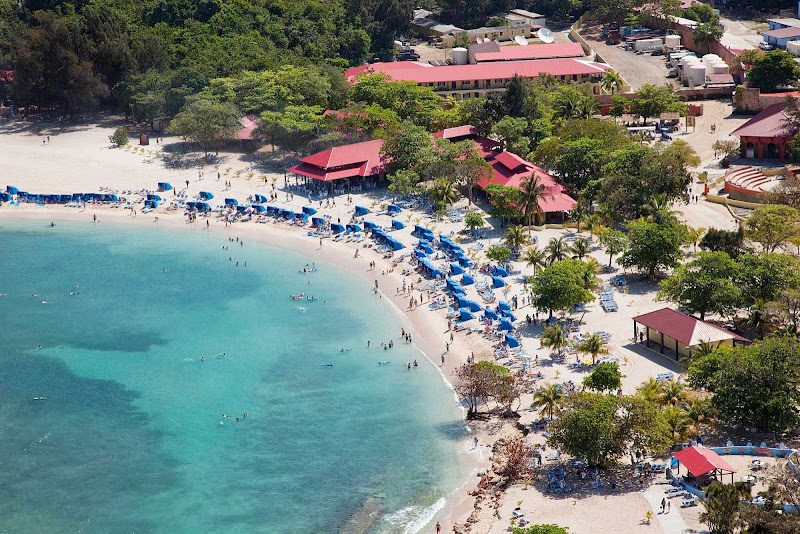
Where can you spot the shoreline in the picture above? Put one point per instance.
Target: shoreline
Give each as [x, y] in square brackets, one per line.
[459, 503]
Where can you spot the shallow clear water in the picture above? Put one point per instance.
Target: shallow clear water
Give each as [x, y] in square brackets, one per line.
[129, 437]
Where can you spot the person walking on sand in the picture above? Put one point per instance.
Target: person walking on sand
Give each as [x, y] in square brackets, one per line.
[438, 528]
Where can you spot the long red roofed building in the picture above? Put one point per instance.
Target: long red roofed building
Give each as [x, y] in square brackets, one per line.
[766, 135]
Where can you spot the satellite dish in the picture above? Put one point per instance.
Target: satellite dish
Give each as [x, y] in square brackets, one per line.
[479, 40]
[546, 36]
[520, 40]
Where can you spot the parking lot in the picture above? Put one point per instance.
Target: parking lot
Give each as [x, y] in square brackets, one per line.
[637, 70]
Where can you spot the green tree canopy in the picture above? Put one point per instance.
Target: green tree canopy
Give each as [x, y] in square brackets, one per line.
[653, 246]
[505, 202]
[655, 100]
[754, 386]
[604, 377]
[602, 428]
[772, 226]
[560, 286]
[205, 122]
[707, 284]
[772, 70]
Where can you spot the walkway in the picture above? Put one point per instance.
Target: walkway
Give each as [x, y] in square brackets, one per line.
[671, 523]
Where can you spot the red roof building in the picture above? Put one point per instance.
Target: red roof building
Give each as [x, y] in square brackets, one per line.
[476, 80]
[346, 161]
[766, 135]
[700, 461]
[487, 148]
[510, 170]
[533, 51]
[249, 124]
[681, 333]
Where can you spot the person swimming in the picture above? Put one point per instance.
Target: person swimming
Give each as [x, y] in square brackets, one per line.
[327, 365]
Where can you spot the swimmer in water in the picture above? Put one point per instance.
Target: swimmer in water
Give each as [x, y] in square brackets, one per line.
[302, 310]
[202, 358]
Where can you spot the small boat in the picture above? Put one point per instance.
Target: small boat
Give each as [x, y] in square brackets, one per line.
[384, 362]
[311, 298]
[301, 296]
[327, 365]
[308, 270]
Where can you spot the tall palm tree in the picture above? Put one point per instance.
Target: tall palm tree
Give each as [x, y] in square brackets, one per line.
[586, 109]
[578, 214]
[567, 108]
[442, 193]
[556, 250]
[701, 412]
[548, 399]
[593, 344]
[607, 215]
[679, 422]
[554, 338]
[579, 249]
[589, 279]
[656, 206]
[672, 394]
[533, 191]
[650, 390]
[756, 316]
[612, 80]
[516, 237]
[535, 258]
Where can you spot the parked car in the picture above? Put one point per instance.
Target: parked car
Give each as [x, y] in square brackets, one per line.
[657, 52]
[763, 45]
[673, 73]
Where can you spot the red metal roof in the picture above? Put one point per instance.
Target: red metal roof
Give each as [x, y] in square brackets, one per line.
[770, 122]
[458, 131]
[493, 70]
[249, 124]
[685, 328]
[6, 75]
[344, 155]
[534, 51]
[510, 170]
[699, 461]
[783, 33]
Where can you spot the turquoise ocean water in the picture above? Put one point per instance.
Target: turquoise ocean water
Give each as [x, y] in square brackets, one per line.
[129, 437]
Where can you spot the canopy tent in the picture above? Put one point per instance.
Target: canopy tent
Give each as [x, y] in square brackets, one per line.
[499, 271]
[164, 186]
[371, 225]
[508, 314]
[430, 268]
[308, 210]
[427, 248]
[393, 209]
[512, 341]
[337, 228]
[244, 209]
[505, 324]
[205, 195]
[700, 461]
[150, 204]
[151, 196]
[465, 262]
[394, 243]
[287, 214]
[456, 269]
[420, 253]
[11, 190]
[461, 301]
[497, 281]
[397, 225]
[361, 211]
[352, 228]
[258, 208]
[231, 202]
[473, 306]
[503, 305]
[490, 314]
[259, 199]
[467, 280]
[316, 222]
[273, 210]
[465, 315]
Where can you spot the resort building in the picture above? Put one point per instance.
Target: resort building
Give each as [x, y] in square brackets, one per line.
[678, 334]
[424, 23]
[487, 148]
[523, 16]
[346, 162]
[492, 51]
[766, 135]
[782, 31]
[495, 33]
[700, 462]
[478, 80]
[510, 170]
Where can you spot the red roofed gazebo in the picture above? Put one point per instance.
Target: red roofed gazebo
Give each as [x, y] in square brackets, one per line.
[700, 461]
[342, 162]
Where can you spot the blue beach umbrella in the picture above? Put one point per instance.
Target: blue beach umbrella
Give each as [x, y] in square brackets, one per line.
[497, 281]
[309, 210]
[473, 306]
[205, 195]
[465, 315]
[467, 280]
[503, 305]
[361, 210]
[490, 314]
[505, 324]
[397, 225]
[512, 341]
[456, 268]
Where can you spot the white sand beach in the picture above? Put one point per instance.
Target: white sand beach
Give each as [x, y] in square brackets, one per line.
[80, 159]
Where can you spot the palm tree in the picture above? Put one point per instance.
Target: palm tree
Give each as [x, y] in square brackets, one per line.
[650, 390]
[556, 250]
[593, 344]
[612, 80]
[554, 338]
[703, 349]
[595, 223]
[516, 238]
[567, 108]
[679, 422]
[672, 394]
[606, 215]
[579, 249]
[656, 206]
[694, 235]
[548, 399]
[535, 258]
[442, 193]
[532, 193]
[586, 109]
[701, 412]
[589, 279]
[578, 214]
[756, 316]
